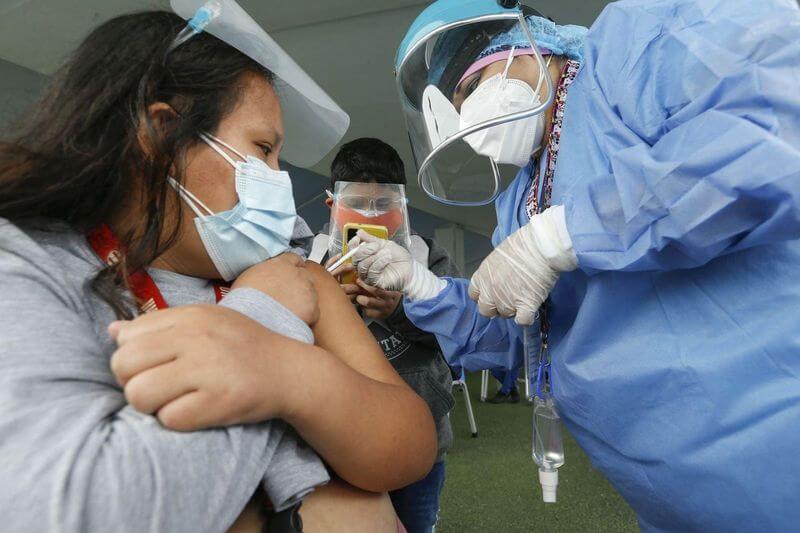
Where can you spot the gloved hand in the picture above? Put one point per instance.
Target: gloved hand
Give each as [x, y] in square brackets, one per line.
[389, 266]
[516, 278]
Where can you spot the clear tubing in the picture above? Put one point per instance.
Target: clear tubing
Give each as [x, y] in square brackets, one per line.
[198, 23]
[186, 33]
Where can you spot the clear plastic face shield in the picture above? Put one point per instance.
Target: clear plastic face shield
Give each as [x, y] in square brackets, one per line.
[382, 205]
[313, 122]
[441, 121]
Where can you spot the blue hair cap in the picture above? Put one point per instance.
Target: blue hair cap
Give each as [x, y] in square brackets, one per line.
[561, 40]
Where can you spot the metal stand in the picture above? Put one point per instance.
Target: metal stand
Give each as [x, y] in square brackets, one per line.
[484, 385]
[462, 383]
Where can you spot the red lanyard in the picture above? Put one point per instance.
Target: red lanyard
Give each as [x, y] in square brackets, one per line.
[106, 245]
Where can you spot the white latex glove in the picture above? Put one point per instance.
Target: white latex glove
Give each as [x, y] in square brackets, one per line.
[389, 266]
[519, 274]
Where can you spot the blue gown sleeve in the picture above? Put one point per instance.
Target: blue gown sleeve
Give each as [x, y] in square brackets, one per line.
[690, 133]
[467, 338]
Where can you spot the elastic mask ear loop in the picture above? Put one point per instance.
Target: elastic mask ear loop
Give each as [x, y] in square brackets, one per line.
[545, 73]
[228, 146]
[508, 64]
[213, 141]
[190, 199]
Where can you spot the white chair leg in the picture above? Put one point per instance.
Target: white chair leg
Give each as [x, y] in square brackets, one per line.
[484, 385]
[472, 426]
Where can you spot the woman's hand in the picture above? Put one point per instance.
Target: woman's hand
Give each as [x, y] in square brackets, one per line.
[284, 279]
[203, 366]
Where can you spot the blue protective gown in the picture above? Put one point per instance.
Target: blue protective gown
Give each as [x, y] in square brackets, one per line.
[676, 344]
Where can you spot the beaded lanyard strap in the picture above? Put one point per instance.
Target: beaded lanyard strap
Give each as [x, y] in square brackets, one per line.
[532, 205]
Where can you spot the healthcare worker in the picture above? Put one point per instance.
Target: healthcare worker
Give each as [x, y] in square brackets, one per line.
[671, 159]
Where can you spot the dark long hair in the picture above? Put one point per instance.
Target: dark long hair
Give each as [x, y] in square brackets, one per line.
[80, 156]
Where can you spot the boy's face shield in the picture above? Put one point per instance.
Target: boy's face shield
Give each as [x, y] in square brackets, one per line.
[377, 204]
[449, 170]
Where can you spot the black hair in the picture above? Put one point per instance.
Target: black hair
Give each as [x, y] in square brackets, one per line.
[368, 160]
[82, 154]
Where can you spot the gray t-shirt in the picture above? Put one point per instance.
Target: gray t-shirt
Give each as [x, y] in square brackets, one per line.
[73, 455]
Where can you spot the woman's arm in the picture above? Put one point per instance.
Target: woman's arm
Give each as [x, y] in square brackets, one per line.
[344, 398]
[74, 455]
[352, 407]
[346, 401]
[206, 366]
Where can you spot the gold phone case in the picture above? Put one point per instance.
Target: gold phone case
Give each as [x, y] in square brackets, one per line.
[351, 228]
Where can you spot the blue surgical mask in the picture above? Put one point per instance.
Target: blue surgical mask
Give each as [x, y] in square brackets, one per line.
[258, 227]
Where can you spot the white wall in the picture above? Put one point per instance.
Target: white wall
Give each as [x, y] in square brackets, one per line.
[19, 88]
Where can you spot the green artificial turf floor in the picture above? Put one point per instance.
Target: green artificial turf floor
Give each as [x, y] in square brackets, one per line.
[492, 482]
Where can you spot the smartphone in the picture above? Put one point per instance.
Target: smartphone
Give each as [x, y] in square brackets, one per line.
[350, 229]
